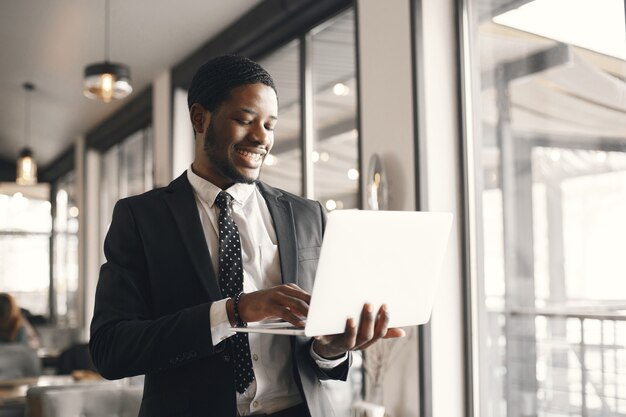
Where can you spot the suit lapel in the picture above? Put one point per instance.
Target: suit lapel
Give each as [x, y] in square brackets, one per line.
[179, 197]
[282, 216]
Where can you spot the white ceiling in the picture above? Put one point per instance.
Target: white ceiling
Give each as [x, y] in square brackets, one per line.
[49, 42]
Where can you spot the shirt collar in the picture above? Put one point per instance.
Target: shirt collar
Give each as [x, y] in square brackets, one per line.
[208, 191]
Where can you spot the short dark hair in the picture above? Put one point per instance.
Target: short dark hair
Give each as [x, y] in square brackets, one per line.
[214, 80]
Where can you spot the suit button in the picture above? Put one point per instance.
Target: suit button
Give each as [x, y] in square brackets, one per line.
[226, 357]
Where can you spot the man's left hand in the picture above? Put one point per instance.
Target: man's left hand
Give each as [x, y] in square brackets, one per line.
[370, 330]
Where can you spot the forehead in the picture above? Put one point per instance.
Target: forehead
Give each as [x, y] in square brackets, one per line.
[258, 97]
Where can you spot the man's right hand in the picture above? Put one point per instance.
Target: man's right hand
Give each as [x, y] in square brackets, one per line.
[288, 302]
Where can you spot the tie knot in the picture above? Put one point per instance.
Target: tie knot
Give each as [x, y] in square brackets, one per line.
[223, 200]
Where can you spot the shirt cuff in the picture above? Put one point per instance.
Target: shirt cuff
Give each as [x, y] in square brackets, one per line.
[220, 325]
[327, 364]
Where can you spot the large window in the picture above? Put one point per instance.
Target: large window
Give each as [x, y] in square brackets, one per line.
[25, 226]
[316, 152]
[547, 223]
[335, 154]
[26, 237]
[126, 169]
[283, 167]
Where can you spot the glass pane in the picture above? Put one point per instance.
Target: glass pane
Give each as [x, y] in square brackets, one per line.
[25, 226]
[25, 270]
[335, 153]
[65, 255]
[551, 182]
[20, 213]
[110, 189]
[126, 170]
[132, 182]
[283, 167]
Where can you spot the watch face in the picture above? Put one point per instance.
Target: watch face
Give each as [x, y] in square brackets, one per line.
[376, 185]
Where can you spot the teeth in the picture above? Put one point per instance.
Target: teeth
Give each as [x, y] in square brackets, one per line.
[251, 155]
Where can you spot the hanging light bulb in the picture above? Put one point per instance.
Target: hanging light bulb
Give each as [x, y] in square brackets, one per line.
[106, 80]
[26, 167]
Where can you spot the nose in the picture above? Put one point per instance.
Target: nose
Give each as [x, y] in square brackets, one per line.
[261, 136]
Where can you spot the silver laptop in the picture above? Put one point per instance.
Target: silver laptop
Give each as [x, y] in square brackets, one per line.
[379, 257]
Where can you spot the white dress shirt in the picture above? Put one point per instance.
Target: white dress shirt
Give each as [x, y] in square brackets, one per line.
[274, 387]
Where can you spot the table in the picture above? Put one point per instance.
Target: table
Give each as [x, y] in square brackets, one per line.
[13, 391]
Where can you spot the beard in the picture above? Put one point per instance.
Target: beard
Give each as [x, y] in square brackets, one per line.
[222, 164]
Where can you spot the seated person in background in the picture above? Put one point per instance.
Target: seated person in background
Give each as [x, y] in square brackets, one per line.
[33, 319]
[13, 327]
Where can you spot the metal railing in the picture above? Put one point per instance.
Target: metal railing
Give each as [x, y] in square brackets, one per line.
[580, 366]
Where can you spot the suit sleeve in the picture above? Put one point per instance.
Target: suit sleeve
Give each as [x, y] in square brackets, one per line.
[126, 339]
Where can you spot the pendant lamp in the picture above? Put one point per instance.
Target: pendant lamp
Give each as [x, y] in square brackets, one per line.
[26, 166]
[106, 80]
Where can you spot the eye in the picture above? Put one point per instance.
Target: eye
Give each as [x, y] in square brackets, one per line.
[269, 128]
[243, 122]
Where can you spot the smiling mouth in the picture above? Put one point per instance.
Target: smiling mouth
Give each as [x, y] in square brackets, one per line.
[250, 155]
[253, 156]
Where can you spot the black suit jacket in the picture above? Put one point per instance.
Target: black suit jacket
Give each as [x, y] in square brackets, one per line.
[154, 294]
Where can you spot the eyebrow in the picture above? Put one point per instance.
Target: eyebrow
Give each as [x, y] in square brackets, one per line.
[253, 113]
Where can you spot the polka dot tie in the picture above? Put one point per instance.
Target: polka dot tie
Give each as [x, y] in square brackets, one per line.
[231, 284]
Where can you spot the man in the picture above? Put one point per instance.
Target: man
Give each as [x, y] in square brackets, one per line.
[214, 249]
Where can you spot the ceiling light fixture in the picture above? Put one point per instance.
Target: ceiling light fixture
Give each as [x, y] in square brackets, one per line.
[26, 167]
[106, 80]
[341, 90]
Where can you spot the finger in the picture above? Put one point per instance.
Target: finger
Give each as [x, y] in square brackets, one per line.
[349, 334]
[382, 322]
[394, 332]
[380, 328]
[293, 285]
[366, 325]
[294, 291]
[338, 344]
[296, 305]
[346, 340]
[287, 315]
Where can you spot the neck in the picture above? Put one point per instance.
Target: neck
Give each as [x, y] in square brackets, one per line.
[206, 173]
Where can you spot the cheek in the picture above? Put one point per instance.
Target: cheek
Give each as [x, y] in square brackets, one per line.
[233, 134]
[223, 138]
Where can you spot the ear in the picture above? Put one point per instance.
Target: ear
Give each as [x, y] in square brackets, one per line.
[200, 117]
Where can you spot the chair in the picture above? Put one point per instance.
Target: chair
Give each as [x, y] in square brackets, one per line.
[76, 357]
[58, 338]
[18, 361]
[102, 399]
